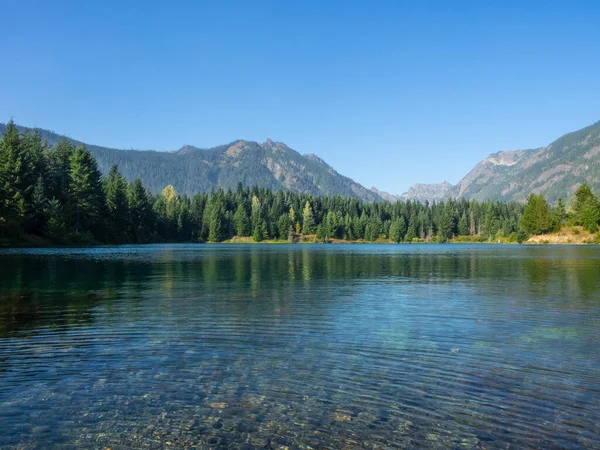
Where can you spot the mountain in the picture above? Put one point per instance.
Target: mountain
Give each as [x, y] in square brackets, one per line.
[555, 171]
[386, 195]
[429, 192]
[272, 165]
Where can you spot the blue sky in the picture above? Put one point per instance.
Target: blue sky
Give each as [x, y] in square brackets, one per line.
[389, 93]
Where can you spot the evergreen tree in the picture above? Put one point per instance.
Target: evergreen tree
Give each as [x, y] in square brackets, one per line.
[397, 230]
[241, 222]
[447, 224]
[536, 217]
[140, 220]
[39, 208]
[284, 225]
[215, 218]
[560, 214]
[58, 178]
[117, 208]
[411, 231]
[87, 196]
[590, 215]
[257, 219]
[583, 195]
[463, 229]
[196, 213]
[56, 228]
[13, 165]
[308, 220]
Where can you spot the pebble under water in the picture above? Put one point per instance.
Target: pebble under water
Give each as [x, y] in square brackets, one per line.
[300, 346]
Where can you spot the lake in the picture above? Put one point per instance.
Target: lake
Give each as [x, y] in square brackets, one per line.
[300, 346]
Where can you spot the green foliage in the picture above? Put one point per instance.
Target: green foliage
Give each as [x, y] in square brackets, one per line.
[86, 193]
[308, 219]
[590, 214]
[522, 236]
[140, 214]
[66, 200]
[536, 217]
[117, 207]
[559, 213]
[583, 196]
[215, 216]
[397, 230]
[241, 222]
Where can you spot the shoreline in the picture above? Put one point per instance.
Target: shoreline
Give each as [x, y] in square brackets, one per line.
[566, 236]
[529, 243]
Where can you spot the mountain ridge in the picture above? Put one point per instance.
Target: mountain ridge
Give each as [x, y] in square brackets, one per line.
[556, 171]
[190, 169]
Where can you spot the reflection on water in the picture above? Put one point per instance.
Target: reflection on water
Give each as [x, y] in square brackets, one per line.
[300, 347]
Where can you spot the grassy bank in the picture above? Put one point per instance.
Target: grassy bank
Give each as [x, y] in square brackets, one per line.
[567, 235]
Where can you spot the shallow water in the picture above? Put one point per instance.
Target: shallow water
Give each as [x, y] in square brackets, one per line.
[305, 346]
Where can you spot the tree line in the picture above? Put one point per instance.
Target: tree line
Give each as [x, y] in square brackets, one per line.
[59, 195]
[541, 218]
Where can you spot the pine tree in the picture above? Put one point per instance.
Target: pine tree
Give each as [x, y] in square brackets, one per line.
[308, 220]
[411, 231]
[241, 222]
[215, 218]
[87, 196]
[59, 165]
[140, 220]
[184, 228]
[117, 208]
[397, 230]
[256, 219]
[536, 216]
[13, 165]
[258, 232]
[284, 225]
[39, 208]
[56, 227]
[463, 229]
[447, 225]
[196, 213]
[582, 196]
[590, 215]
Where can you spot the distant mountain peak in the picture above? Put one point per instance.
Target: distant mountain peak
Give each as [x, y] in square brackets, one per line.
[429, 192]
[386, 195]
[554, 171]
[188, 149]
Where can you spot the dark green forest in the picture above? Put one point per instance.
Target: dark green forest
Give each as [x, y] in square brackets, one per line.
[58, 195]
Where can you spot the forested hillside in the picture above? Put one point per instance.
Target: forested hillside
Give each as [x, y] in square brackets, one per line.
[272, 165]
[58, 195]
[555, 171]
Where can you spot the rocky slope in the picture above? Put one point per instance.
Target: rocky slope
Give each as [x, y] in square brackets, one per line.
[555, 171]
[272, 165]
[429, 192]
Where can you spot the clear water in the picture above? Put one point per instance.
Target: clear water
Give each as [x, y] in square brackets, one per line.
[306, 346]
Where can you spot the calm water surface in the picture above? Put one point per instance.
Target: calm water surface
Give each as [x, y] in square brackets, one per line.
[324, 346]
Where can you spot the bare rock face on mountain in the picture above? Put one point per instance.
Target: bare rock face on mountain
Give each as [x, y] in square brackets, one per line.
[386, 195]
[430, 192]
[554, 171]
[271, 165]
